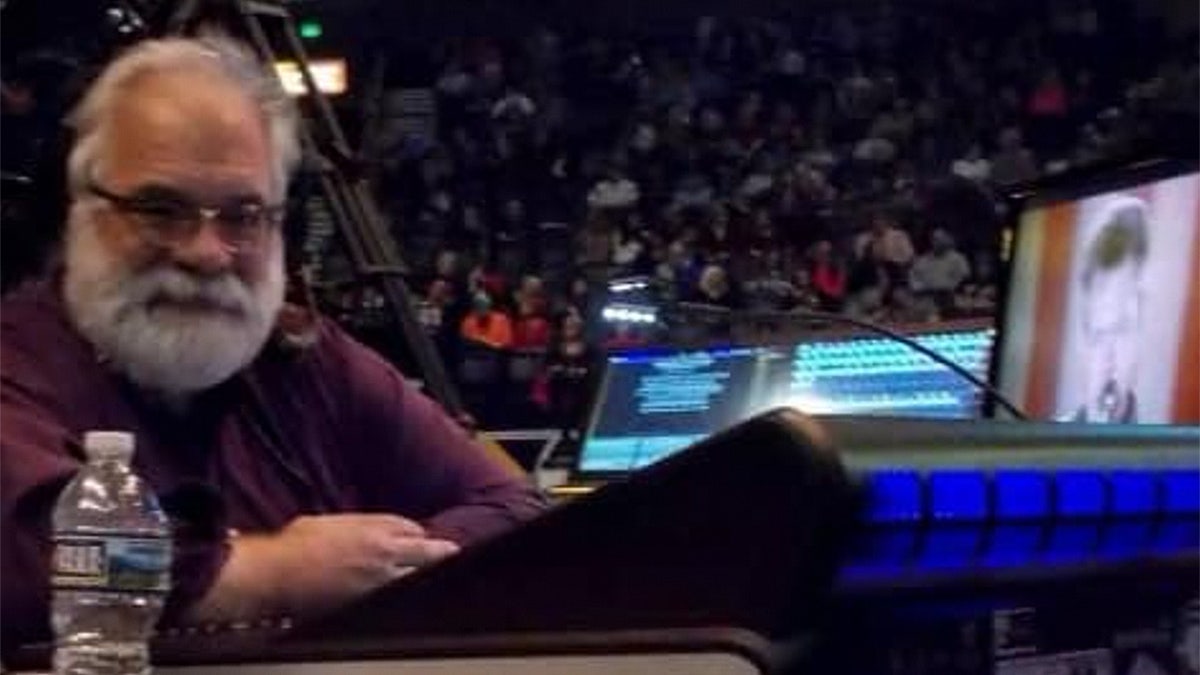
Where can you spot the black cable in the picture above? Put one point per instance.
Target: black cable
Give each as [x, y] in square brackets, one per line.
[829, 317]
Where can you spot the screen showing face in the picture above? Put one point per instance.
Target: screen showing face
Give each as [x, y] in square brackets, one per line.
[1101, 323]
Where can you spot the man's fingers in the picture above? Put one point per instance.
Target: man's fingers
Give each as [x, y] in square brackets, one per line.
[397, 526]
[399, 571]
[417, 552]
[385, 522]
[404, 527]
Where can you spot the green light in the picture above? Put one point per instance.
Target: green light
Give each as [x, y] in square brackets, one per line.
[310, 30]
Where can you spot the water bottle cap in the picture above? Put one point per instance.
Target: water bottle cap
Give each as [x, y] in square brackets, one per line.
[116, 445]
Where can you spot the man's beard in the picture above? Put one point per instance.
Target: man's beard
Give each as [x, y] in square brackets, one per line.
[164, 328]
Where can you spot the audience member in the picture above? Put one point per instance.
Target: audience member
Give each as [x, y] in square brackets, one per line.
[941, 270]
[1013, 162]
[485, 325]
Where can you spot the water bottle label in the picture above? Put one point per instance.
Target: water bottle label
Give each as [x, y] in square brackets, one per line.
[112, 563]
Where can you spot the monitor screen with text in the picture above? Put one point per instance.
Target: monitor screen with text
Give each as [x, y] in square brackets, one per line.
[654, 403]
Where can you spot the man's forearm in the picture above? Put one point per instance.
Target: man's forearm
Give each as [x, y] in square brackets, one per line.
[249, 584]
[315, 564]
[488, 513]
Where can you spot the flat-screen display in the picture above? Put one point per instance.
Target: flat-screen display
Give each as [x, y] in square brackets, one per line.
[1101, 318]
[654, 403]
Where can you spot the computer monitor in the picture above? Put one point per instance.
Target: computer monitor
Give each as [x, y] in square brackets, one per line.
[1100, 323]
[651, 404]
[869, 375]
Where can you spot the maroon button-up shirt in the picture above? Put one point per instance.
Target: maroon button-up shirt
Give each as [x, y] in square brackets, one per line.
[330, 429]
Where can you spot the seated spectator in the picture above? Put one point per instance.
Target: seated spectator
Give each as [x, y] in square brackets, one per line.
[679, 269]
[531, 329]
[436, 305]
[888, 248]
[448, 268]
[576, 299]
[515, 107]
[563, 387]
[1013, 162]
[713, 288]
[973, 165]
[614, 191]
[532, 290]
[484, 278]
[594, 241]
[828, 276]
[1047, 110]
[804, 293]
[485, 325]
[1049, 99]
[885, 243]
[875, 150]
[769, 290]
[628, 249]
[941, 270]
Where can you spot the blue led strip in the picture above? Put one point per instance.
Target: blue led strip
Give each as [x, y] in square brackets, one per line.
[1181, 491]
[894, 497]
[1080, 493]
[1016, 517]
[1134, 493]
[958, 495]
[1021, 494]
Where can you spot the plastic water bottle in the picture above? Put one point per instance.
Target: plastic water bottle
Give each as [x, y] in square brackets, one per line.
[111, 565]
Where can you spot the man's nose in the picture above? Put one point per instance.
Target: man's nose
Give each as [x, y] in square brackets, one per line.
[205, 252]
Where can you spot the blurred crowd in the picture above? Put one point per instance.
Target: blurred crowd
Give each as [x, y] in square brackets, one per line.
[843, 162]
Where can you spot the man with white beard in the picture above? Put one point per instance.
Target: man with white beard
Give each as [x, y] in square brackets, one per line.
[300, 480]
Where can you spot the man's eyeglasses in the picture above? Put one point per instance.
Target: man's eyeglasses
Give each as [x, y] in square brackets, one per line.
[167, 218]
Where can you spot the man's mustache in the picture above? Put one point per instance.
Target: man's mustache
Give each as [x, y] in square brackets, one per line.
[173, 286]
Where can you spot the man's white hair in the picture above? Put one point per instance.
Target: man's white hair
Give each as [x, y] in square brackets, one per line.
[211, 53]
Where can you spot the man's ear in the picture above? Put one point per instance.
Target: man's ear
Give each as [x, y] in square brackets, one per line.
[298, 323]
[296, 327]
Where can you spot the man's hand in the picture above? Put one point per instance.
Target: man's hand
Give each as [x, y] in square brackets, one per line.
[317, 563]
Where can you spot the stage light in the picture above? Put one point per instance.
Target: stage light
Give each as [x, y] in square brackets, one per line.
[311, 30]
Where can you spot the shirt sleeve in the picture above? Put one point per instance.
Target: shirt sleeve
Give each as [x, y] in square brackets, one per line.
[421, 461]
[39, 454]
[34, 467]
